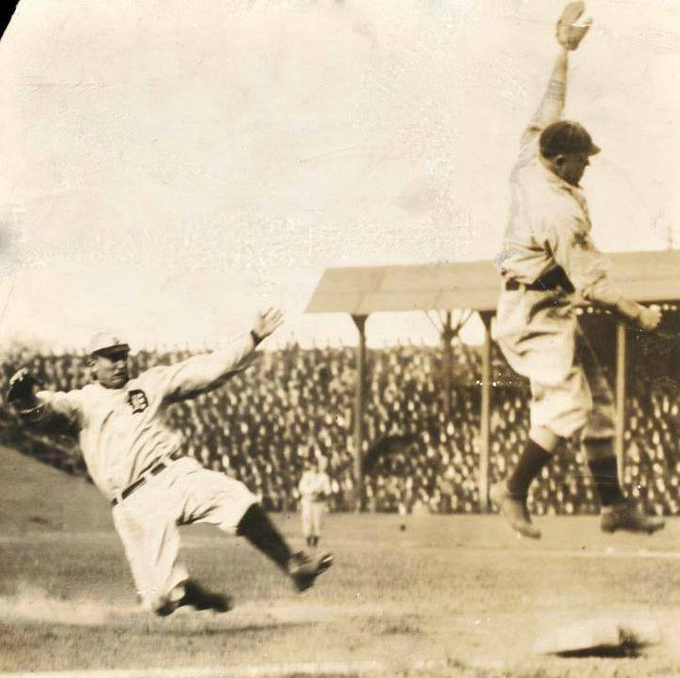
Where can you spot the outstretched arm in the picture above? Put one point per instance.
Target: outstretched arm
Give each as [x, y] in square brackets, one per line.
[570, 31]
[204, 373]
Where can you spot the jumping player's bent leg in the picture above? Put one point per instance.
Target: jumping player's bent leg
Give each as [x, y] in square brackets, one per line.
[597, 440]
[558, 410]
[511, 495]
[617, 512]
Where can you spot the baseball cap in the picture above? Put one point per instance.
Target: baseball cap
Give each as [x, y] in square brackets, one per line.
[106, 342]
[564, 137]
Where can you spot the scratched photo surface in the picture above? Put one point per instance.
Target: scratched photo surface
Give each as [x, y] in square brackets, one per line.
[171, 172]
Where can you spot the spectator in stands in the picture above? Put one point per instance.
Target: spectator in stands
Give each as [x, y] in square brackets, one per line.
[299, 404]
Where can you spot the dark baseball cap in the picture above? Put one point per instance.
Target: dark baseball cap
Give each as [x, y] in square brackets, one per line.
[565, 137]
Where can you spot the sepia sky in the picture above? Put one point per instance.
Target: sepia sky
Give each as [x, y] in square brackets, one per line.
[170, 167]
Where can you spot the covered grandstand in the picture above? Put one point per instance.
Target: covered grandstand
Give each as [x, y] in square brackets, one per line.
[297, 403]
[649, 277]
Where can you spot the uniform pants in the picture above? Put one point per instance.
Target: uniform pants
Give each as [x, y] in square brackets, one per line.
[541, 339]
[583, 402]
[147, 522]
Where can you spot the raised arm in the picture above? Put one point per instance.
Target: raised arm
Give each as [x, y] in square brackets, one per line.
[552, 104]
[570, 31]
[204, 373]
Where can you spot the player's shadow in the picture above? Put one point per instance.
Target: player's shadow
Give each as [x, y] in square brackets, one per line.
[629, 650]
[215, 629]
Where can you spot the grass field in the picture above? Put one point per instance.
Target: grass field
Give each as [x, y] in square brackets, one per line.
[449, 596]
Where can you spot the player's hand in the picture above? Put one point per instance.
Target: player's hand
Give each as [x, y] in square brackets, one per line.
[571, 29]
[267, 322]
[649, 317]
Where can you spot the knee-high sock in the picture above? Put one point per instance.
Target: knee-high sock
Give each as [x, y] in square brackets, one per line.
[259, 530]
[604, 467]
[532, 460]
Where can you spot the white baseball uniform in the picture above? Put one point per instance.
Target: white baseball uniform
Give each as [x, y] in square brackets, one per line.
[314, 487]
[537, 330]
[125, 441]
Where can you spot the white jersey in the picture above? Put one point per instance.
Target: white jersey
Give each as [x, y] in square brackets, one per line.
[123, 432]
[314, 485]
[549, 226]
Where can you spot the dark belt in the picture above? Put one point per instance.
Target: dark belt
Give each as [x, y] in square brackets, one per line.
[552, 280]
[153, 471]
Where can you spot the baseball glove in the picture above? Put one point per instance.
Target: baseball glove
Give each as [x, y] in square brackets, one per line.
[570, 31]
[20, 394]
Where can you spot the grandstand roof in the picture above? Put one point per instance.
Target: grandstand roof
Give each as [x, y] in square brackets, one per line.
[645, 276]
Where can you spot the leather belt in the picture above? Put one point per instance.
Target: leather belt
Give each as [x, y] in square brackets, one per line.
[552, 280]
[147, 475]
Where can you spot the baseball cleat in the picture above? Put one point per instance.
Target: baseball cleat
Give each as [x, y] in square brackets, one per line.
[197, 597]
[627, 517]
[514, 511]
[303, 569]
[167, 608]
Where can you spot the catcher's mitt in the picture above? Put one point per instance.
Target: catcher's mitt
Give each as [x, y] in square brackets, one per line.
[20, 394]
[570, 31]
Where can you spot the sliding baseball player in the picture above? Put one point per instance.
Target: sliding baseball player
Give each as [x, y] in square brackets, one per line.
[138, 463]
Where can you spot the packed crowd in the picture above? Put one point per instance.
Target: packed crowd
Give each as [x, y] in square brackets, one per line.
[295, 404]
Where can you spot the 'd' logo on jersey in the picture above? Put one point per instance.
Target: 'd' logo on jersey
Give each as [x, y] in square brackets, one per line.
[137, 401]
[581, 240]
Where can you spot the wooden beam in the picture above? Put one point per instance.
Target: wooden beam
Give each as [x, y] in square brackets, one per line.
[447, 363]
[359, 411]
[620, 385]
[485, 417]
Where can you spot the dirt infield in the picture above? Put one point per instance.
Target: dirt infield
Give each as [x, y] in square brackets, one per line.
[450, 596]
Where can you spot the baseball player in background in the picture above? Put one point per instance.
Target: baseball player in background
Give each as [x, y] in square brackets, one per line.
[315, 489]
[138, 464]
[548, 263]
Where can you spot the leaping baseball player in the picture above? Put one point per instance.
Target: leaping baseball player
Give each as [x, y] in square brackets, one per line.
[547, 261]
[137, 462]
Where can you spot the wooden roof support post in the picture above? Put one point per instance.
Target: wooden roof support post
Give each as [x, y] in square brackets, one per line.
[620, 421]
[485, 417]
[359, 411]
[447, 363]
[448, 332]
